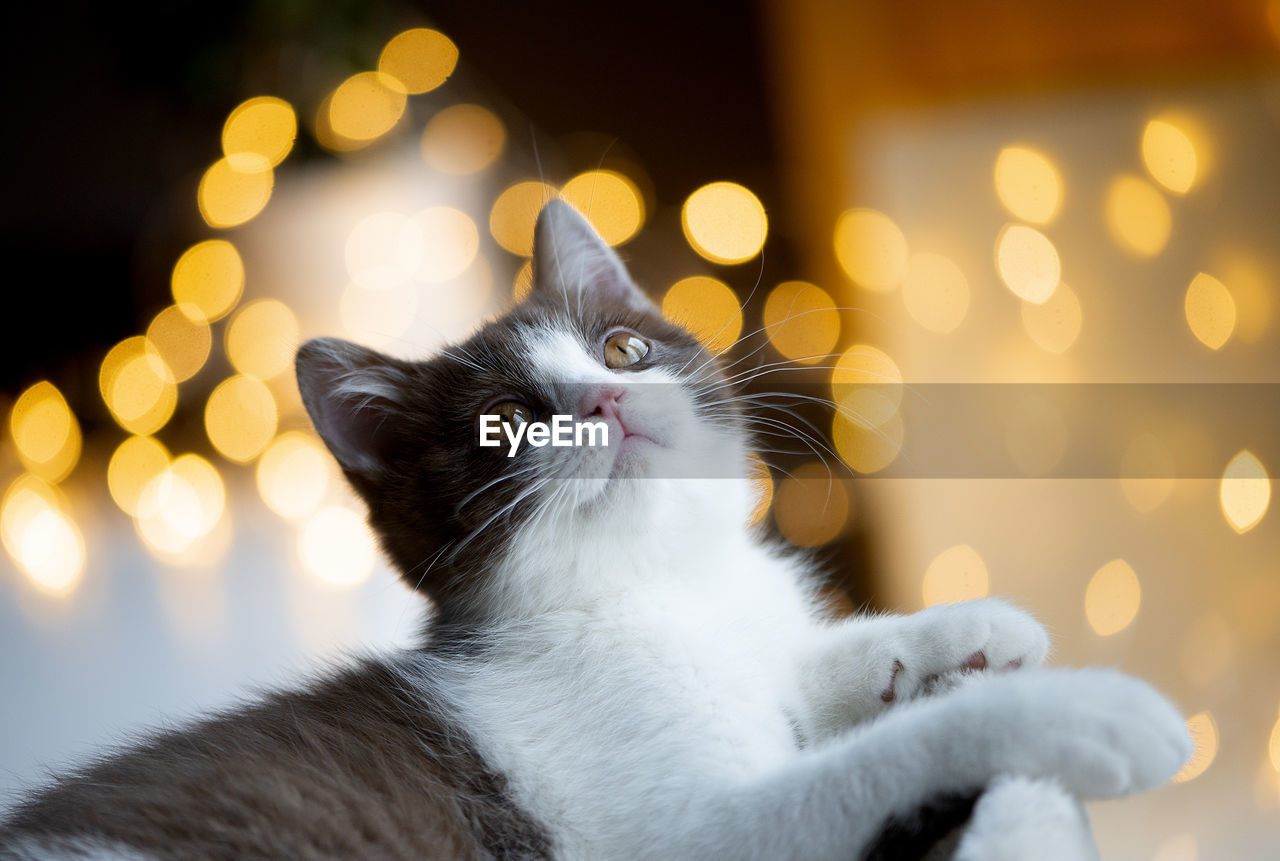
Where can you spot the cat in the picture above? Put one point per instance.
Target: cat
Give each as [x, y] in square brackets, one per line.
[615, 664]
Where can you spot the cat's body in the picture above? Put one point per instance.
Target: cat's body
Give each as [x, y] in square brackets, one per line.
[617, 667]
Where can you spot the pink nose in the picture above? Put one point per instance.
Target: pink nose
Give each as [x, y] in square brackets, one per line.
[600, 402]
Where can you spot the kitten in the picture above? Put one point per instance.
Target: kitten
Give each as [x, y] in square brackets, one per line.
[616, 665]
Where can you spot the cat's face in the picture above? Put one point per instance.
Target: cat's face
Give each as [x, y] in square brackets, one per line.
[586, 346]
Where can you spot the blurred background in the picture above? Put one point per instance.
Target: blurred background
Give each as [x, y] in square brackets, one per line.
[1015, 206]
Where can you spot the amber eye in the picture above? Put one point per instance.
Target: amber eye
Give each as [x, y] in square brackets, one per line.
[511, 412]
[624, 348]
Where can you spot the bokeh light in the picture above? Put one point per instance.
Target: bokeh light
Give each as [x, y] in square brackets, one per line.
[708, 308]
[956, 574]
[514, 213]
[724, 222]
[420, 59]
[264, 125]
[1054, 324]
[811, 506]
[240, 418]
[40, 535]
[137, 386]
[1028, 263]
[935, 292]
[1112, 598]
[1028, 184]
[866, 384]
[1210, 311]
[210, 276]
[366, 106]
[1169, 155]
[293, 475]
[181, 336]
[463, 139]
[761, 487]
[262, 338]
[1138, 218]
[802, 321]
[1245, 491]
[384, 250]
[522, 284]
[610, 201]
[336, 547]
[1273, 746]
[180, 506]
[234, 189]
[871, 249]
[133, 465]
[1204, 736]
[449, 242]
[45, 432]
[866, 448]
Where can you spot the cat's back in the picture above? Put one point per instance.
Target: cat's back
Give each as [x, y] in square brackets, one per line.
[366, 763]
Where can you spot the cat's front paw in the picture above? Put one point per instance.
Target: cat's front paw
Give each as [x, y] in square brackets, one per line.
[948, 643]
[1099, 732]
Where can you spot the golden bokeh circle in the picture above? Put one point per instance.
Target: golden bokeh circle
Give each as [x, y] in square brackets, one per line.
[708, 308]
[724, 222]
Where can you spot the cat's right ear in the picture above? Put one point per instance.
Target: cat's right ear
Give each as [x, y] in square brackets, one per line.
[354, 396]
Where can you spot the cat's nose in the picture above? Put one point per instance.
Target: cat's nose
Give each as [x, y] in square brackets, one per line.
[600, 402]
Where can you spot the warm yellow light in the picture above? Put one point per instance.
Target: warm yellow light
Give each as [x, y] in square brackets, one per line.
[811, 506]
[1112, 598]
[450, 241]
[1210, 311]
[26, 497]
[137, 386]
[235, 189]
[956, 574]
[1146, 472]
[610, 201]
[724, 222]
[1245, 491]
[377, 317]
[1028, 184]
[1252, 293]
[45, 432]
[42, 539]
[384, 250]
[183, 503]
[871, 249]
[1170, 155]
[866, 385]
[1137, 216]
[293, 474]
[210, 276]
[1028, 263]
[515, 212]
[420, 59]
[865, 447]
[706, 307]
[762, 487]
[262, 338]
[1055, 323]
[463, 139]
[1204, 735]
[240, 418]
[180, 334]
[523, 282]
[264, 126]
[1273, 746]
[134, 464]
[336, 547]
[366, 106]
[936, 292]
[801, 321]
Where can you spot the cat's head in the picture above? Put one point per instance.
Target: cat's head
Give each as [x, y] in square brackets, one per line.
[588, 345]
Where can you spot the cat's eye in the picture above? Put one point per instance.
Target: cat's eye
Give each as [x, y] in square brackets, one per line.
[511, 412]
[622, 349]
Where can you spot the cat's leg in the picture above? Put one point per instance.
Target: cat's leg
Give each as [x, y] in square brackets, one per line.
[1098, 733]
[862, 666]
[1019, 818]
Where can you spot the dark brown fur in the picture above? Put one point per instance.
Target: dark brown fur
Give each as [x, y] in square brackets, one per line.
[359, 766]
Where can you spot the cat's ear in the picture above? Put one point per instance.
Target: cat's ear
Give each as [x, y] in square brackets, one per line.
[569, 256]
[355, 397]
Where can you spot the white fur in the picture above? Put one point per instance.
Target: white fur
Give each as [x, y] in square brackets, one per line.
[654, 663]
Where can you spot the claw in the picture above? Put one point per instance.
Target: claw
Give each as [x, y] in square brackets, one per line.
[975, 662]
[888, 694]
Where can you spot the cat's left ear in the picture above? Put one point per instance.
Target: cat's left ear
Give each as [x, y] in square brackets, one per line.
[356, 399]
[569, 256]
